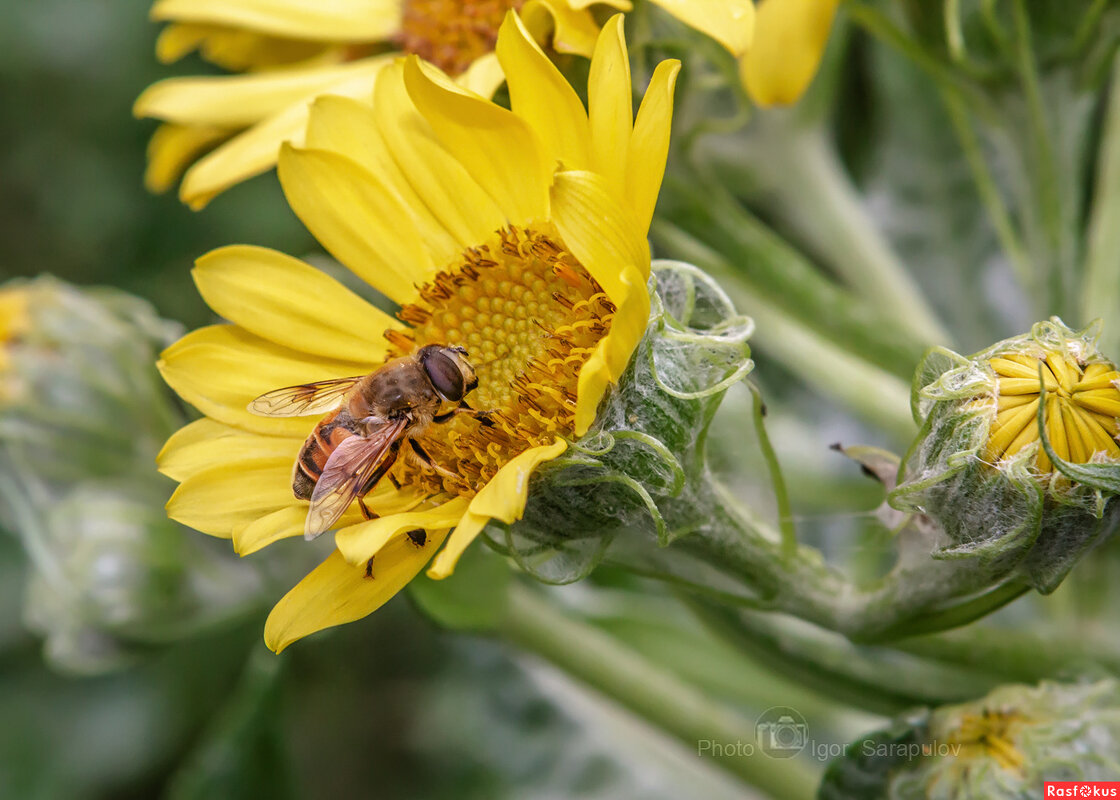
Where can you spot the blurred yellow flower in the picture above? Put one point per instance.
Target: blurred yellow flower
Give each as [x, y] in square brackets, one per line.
[785, 53]
[14, 323]
[292, 51]
[519, 235]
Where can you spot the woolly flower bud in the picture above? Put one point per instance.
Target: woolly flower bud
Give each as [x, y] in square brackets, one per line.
[1017, 459]
[641, 466]
[82, 415]
[1005, 745]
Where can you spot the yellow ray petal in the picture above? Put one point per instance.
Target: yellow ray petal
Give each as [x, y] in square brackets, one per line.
[1103, 439]
[541, 96]
[255, 150]
[1006, 429]
[284, 523]
[445, 187]
[205, 443]
[789, 40]
[598, 230]
[1027, 434]
[360, 541]
[627, 327]
[1056, 428]
[1079, 448]
[325, 20]
[357, 219]
[483, 76]
[1009, 401]
[218, 499]
[1009, 368]
[1103, 401]
[649, 145]
[573, 29]
[496, 147]
[336, 591]
[503, 498]
[1100, 378]
[220, 369]
[286, 301]
[1011, 386]
[594, 378]
[1064, 372]
[729, 22]
[350, 128]
[237, 101]
[610, 106]
[173, 147]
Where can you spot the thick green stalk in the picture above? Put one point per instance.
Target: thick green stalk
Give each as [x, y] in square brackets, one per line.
[824, 363]
[1101, 288]
[594, 657]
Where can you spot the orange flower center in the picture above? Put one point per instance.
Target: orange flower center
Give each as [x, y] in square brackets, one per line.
[453, 33]
[529, 315]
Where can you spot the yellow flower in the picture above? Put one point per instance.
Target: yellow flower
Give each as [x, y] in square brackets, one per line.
[15, 321]
[789, 40]
[1082, 406]
[231, 127]
[519, 235]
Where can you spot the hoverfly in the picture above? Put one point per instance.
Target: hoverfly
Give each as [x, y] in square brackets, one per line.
[373, 416]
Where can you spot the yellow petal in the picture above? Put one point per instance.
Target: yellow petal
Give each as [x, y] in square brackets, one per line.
[594, 378]
[350, 128]
[649, 146]
[1014, 369]
[729, 22]
[483, 76]
[465, 532]
[444, 186]
[206, 443]
[505, 495]
[610, 106]
[286, 301]
[358, 542]
[541, 96]
[255, 150]
[357, 219]
[503, 498]
[237, 101]
[1056, 428]
[1004, 432]
[337, 592]
[1079, 448]
[496, 147]
[285, 523]
[789, 40]
[220, 369]
[325, 20]
[219, 498]
[1103, 401]
[1100, 378]
[173, 147]
[574, 30]
[598, 231]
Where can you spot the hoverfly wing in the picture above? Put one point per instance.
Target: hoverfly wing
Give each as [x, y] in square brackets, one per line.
[353, 467]
[307, 399]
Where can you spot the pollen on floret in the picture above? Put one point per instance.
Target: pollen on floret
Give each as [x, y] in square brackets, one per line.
[529, 315]
[452, 34]
[988, 735]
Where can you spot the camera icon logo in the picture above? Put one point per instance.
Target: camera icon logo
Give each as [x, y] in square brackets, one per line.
[781, 732]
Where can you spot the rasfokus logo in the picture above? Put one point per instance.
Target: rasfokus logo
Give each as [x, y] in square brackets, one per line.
[1081, 789]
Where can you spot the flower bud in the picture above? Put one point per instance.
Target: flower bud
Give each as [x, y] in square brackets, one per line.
[638, 467]
[1005, 745]
[1017, 461]
[82, 416]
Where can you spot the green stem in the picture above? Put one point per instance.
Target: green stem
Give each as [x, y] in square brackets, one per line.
[654, 694]
[1101, 295]
[1008, 236]
[802, 180]
[1047, 180]
[844, 373]
[781, 496]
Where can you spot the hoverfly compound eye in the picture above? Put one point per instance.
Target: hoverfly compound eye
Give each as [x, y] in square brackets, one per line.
[446, 375]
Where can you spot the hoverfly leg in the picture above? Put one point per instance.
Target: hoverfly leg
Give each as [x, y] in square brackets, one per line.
[483, 417]
[369, 568]
[365, 509]
[426, 459]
